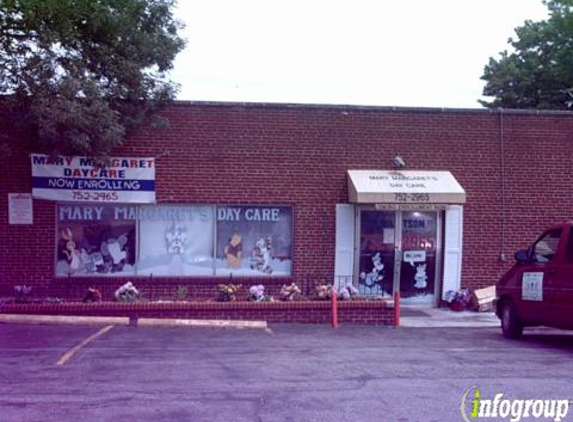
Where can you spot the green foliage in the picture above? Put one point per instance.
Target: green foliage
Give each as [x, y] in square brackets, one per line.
[539, 73]
[83, 74]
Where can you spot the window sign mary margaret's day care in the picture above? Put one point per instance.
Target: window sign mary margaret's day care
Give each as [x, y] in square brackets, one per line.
[254, 241]
[173, 240]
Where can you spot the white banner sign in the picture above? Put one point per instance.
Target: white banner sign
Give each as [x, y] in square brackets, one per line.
[61, 178]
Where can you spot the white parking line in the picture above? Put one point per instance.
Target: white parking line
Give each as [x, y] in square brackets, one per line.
[70, 353]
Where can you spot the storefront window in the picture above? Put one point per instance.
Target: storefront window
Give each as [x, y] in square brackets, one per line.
[175, 240]
[254, 241]
[96, 240]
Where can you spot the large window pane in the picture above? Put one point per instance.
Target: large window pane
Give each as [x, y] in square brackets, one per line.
[175, 240]
[95, 240]
[254, 241]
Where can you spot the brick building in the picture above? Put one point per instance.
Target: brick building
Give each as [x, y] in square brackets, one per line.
[269, 193]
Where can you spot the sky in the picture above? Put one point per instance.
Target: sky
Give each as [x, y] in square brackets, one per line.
[404, 53]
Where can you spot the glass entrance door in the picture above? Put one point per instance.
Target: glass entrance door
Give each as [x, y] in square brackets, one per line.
[377, 252]
[398, 251]
[419, 240]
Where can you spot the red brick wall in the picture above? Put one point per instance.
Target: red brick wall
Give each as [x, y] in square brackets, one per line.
[317, 312]
[298, 156]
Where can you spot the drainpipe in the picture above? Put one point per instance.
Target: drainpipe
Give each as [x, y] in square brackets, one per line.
[501, 256]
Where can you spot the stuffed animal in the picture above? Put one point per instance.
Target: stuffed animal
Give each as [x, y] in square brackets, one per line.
[348, 292]
[73, 255]
[234, 251]
[257, 294]
[127, 293]
[226, 292]
[289, 292]
[92, 295]
[21, 293]
[323, 291]
[261, 256]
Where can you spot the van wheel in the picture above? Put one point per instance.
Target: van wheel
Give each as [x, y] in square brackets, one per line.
[510, 325]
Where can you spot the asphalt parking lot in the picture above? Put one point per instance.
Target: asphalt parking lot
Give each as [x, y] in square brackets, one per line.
[288, 373]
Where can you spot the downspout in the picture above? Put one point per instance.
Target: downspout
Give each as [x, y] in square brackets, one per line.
[501, 256]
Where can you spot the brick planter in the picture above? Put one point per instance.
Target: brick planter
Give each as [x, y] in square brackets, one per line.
[315, 312]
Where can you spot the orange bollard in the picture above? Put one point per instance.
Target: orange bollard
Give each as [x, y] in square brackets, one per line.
[397, 309]
[334, 303]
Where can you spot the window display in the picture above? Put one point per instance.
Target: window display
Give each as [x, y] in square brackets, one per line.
[95, 240]
[175, 240]
[377, 239]
[254, 241]
[418, 268]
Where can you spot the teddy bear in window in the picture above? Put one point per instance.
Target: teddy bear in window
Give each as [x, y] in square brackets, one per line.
[234, 251]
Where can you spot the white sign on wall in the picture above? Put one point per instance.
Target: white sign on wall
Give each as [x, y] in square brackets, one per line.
[78, 179]
[532, 286]
[414, 256]
[20, 210]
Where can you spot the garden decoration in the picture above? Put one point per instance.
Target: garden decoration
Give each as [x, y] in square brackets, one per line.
[127, 293]
[226, 292]
[21, 293]
[92, 295]
[289, 292]
[348, 292]
[323, 291]
[257, 294]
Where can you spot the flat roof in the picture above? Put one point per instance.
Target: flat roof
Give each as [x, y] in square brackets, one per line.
[351, 107]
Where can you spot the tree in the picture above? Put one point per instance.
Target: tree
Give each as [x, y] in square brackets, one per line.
[539, 73]
[81, 75]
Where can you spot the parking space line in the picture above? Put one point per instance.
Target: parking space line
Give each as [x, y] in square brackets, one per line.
[70, 353]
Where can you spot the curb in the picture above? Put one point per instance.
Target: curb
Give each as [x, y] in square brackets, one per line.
[140, 322]
[409, 323]
[207, 323]
[61, 319]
